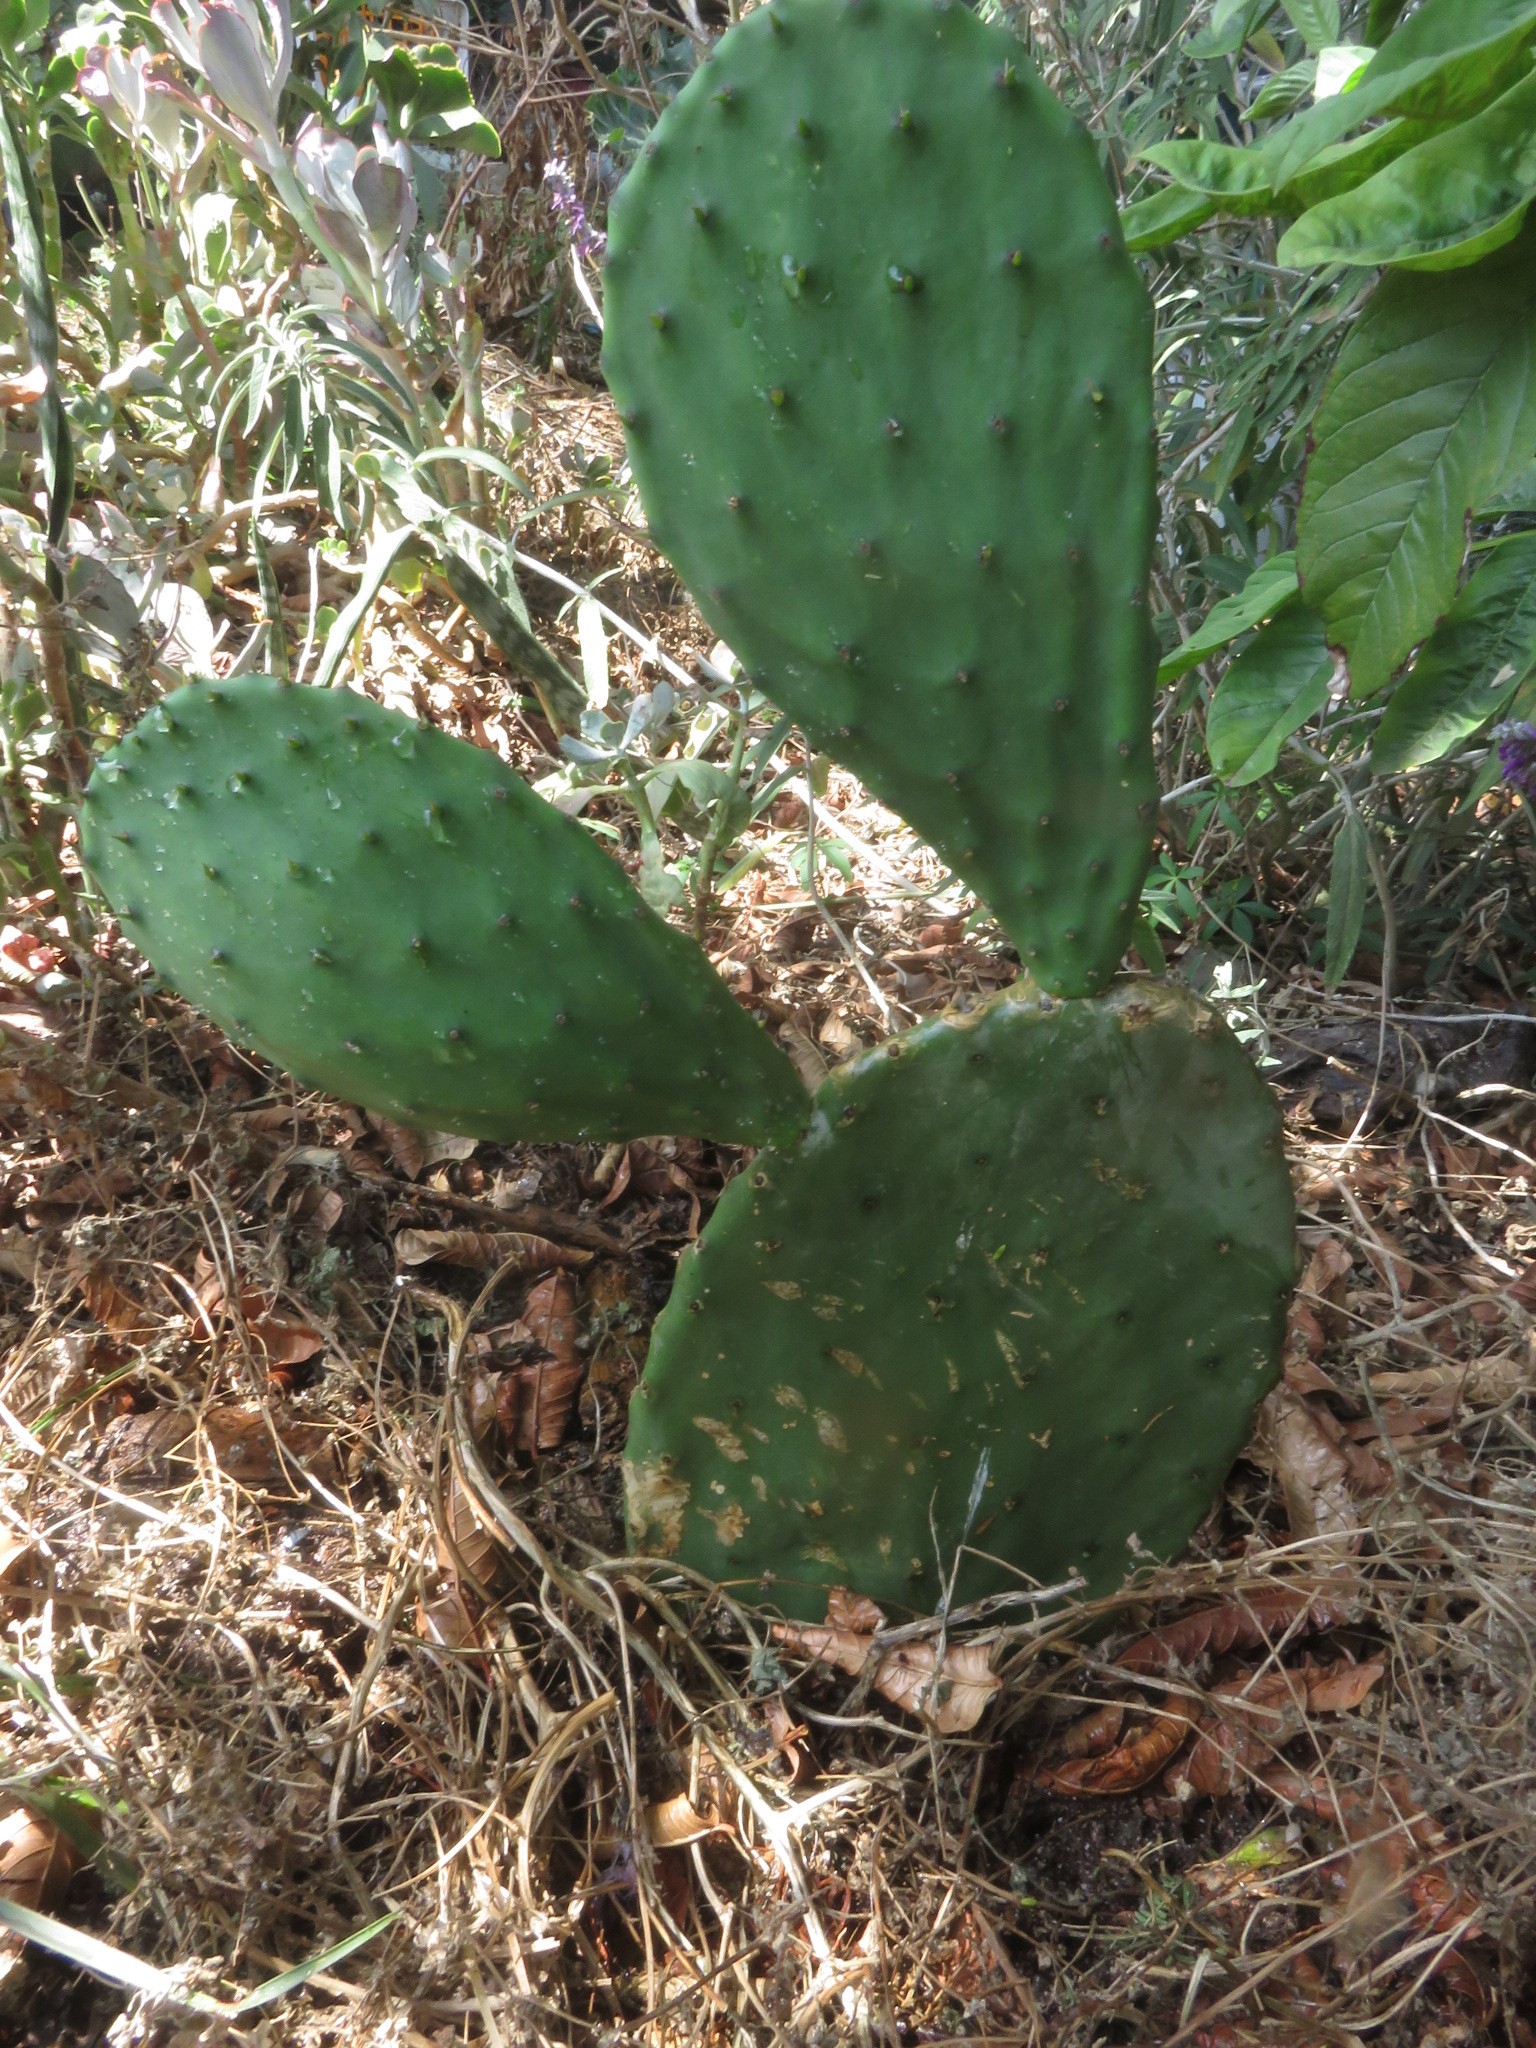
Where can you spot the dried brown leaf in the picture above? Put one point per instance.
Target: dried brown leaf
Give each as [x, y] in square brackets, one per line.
[163, 1446]
[114, 1308]
[673, 1823]
[1314, 1476]
[1258, 1622]
[1125, 1768]
[36, 1861]
[1092, 1734]
[951, 1694]
[485, 1249]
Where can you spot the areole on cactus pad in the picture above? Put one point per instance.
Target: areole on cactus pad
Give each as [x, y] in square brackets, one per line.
[999, 1305]
[886, 372]
[1057, 1237]
[392, 914]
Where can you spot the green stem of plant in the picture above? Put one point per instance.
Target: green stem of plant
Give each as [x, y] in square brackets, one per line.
[715, 839]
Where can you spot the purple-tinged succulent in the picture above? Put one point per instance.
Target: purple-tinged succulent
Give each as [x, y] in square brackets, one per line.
[242, 48]
[1517, 756]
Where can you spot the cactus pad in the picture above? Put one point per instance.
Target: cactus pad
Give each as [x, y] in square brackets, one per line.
[393, 916]
[1057, 1235]
[886, 372]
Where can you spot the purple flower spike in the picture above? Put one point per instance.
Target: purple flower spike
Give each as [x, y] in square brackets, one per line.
[1517, 756]
[588, 242]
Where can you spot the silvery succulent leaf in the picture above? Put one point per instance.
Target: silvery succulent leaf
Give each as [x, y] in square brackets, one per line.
[243, 48]
[122, 85]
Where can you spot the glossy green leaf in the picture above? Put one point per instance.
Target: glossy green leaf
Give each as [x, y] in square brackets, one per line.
[1431, 407]
[1450, 56]
[1471, 665]
[1345, 165]
[1275, 685]
[1315, 21]
[1227, 29]
[1442, 200]
[1448, 60]
[1285, 90]
[1348, 873]
[1162, 218]
[1271, 586]
[1338, 66]
[1238, 179]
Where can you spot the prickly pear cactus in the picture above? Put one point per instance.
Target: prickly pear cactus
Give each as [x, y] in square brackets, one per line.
[886, 372]
[391, 914]
[1056, 1237]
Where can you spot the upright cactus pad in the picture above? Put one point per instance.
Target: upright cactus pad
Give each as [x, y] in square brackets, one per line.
[1055, 1236]
[886, 371]
[394, 916]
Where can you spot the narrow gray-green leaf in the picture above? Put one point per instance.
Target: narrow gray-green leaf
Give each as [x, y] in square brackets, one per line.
[1275, 685]
[1271, 586]
[1452, 198]
[1470, 666]
[29, 243]
[1433, 398]
[379, 561]
[1348, 873]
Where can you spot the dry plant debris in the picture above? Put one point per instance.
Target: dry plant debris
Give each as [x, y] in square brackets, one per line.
[311, 1571]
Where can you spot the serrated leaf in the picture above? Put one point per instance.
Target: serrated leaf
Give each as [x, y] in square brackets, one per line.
[1432, 403]
[1471, 665]
[1449, 201]
[1275, 685]
[1162, 218]
[1271, 586]
[1285, 90]
[1348, 873]
[1315, 21]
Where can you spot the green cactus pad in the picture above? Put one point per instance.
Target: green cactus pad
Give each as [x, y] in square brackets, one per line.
[393, 916]
[886, 371]
[1059, 1235]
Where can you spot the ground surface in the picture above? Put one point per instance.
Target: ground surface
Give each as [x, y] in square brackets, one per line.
[307, 1532]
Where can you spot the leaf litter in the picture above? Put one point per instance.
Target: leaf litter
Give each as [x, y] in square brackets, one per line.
[316, 1567]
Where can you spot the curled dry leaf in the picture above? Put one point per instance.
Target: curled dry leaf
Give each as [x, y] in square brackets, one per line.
[1258, 1622]
[163, 1447]
[1314, 1476]
[114, 1308]
[1125, 1768]
[37, 1861]
[1248, 1721]
[536, 1399]
[485, 1250]
[950, 1693]
[1092, 1734]
[674, 1823]
[282, 1340]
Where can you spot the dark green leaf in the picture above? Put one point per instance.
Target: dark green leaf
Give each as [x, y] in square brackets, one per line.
[1154, 222]
[1442, 200]
[1448, 60]
[1285, 90]
[1227, 29]
[30, 247]
[1315, 21]
[1271, 586]
[1471, 665]
[1275, 685]
[1348, 873]
[1237, 179]
[1431, 407]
